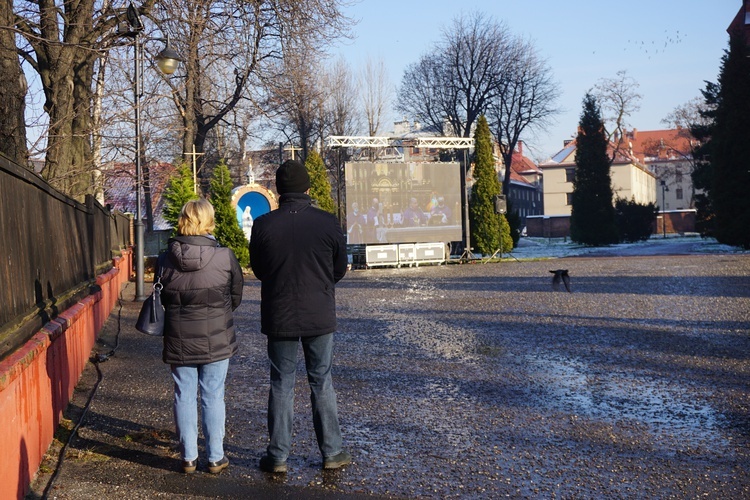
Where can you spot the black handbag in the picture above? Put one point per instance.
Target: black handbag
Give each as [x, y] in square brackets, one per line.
[151, 318]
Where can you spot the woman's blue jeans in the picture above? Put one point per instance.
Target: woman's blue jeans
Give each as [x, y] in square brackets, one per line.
[210, 378]
[282, 354]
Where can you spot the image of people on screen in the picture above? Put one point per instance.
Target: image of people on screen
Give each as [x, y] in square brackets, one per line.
[355, 225]
[373, 220]
[413, 216]
[440, 213]
[411, 202]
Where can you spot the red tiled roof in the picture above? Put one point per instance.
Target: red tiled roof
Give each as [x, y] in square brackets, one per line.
[521, 164]
[518, 178]
[622, 155]
[659, 144]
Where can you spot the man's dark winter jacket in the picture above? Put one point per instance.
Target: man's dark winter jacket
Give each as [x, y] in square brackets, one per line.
[298, 252]
[202, 286]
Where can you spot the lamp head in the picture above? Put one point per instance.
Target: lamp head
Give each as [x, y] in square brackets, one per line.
[168, 60]
[134, 18]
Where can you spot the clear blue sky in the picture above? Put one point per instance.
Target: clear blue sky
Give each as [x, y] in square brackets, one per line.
[582, 40]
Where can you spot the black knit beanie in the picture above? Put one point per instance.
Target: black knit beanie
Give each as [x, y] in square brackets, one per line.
[292, 177]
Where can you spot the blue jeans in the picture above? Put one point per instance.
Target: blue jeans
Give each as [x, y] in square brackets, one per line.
[282, 353]
[210, 377]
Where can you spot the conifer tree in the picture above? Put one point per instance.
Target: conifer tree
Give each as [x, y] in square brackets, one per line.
[592, 219]
[180, 189]
[489, 231]
[320, 186]
[702, 174]
[730, 146]
[228, 231]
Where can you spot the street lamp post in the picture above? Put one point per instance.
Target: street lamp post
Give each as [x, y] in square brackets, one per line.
[167, 61]
[664, 189]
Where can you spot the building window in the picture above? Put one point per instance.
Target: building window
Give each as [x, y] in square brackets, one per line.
[570, 175]
[569, 199]
[678, 193]
[678, 176]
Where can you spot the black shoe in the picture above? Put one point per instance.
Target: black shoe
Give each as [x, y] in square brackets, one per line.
[216, 467]
[268, 464]
[189, 466]
[336, 461]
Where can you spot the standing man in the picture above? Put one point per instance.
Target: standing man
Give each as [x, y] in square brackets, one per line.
[298, 252]
[373, 222]
[355, 222]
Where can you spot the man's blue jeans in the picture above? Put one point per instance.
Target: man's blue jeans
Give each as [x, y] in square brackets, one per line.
[210, 377]
[282, 353]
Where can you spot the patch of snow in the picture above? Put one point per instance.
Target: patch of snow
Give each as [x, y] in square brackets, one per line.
[540, 248]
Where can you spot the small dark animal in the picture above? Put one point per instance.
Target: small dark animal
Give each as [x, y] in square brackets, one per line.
[560, 275]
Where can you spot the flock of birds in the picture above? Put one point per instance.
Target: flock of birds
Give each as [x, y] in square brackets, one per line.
[655, 46]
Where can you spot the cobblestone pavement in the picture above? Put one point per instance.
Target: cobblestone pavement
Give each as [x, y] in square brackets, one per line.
[471, 381]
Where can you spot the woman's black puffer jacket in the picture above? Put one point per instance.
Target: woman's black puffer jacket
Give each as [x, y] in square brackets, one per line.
[202, 286]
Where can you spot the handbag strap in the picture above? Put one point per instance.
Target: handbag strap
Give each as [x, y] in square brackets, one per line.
[160, 268]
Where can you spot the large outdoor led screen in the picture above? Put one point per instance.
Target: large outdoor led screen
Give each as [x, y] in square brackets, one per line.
[403, 202]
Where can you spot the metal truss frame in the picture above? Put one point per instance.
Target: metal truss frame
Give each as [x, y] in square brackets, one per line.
[464, 143]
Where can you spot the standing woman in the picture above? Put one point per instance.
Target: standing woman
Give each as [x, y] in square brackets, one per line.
[202, 287]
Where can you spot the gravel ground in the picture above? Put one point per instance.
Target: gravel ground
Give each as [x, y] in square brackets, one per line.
[466, 381]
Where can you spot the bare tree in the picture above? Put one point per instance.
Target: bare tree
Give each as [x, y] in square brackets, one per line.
[225, 43]
[342, 104]
[230, 46]
[298, 99]
[113, 117]
[478, 68]
[422, 93]
[687, 115]
[344, 119]
[377, 93]
[12, 92]
[524, 102]
[62, 44]
[686, 118]
[618, 98]
[454, 82]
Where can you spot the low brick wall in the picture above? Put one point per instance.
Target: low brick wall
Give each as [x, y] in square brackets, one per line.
[558, 226]
[37, 380]
[548, 226]
[675, 221]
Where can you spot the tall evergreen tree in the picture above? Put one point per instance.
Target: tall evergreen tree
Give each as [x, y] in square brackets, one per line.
[320, 186]
[489, 231]
[592, 219]
[180, 189]
[702, 174]
[228, 231]
[730, 146]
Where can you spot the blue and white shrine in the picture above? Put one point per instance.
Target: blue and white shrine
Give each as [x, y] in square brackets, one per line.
[251, 201]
